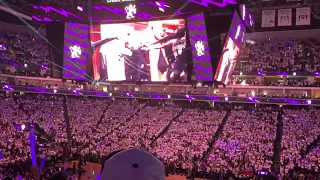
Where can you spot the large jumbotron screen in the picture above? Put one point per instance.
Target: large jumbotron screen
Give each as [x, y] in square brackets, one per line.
[140, 51]
[227, 61]
[231, 50]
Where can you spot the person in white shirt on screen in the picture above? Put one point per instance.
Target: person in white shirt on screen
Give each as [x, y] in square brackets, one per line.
[157, 54]
[229, 55]
[112, 51]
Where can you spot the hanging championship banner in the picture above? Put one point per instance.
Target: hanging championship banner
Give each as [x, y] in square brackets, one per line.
[303, 16]
[284, 17]
[268, 18]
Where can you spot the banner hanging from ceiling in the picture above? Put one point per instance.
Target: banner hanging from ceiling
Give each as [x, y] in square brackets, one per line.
[284, 17]
[303, 16]
[268, 18]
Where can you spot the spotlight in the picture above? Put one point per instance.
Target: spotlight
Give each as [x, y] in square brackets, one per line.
[25, 65]
[169, 96]
[309, 101]
[226, 99]
[23, 127]
[80, 8]
[294, 73]
[54, 91]
[110, 94]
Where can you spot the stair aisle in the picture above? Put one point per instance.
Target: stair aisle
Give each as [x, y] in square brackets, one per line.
[66, 118]
[216, 135]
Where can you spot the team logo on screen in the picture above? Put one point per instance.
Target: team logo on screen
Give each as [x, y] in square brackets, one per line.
[200, 48]
[75, 51]
[131, 11]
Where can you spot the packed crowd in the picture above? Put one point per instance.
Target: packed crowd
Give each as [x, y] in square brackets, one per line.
[288, 56]
[246, 143]
[16, 113]
[188, 137]
[301, 127]
[179, 136]
[47, 111]
[296, 82]
[23, 48]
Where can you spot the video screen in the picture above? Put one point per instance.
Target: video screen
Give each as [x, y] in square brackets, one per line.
[231, 50]
[227, 61]
[76, 51]
[246, 17]
[200, 47]
[141, 51]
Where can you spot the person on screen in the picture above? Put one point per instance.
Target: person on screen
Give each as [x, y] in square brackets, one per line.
[179, 67]
[134, 59]
[157, 54]
[114, 51]
[229, 60]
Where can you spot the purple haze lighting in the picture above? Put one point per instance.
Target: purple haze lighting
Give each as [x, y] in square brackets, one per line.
[189, 97]
[7, 87]
[42, 162]
[316, 73]
[129, 95]
[33, 147]
[155, 96]
[212, 98]
[252, 99]
[37, 89]
[199, 47]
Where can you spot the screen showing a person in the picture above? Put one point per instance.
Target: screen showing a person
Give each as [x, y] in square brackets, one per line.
[76, 51]
[141, 51]
[227, 61]
[231, 50]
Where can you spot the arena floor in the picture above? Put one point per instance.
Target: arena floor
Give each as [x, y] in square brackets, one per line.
[92, 169]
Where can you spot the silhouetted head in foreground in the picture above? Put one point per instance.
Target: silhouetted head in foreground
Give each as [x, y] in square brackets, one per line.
[132, 164]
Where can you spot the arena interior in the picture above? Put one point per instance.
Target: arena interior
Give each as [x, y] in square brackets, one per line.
[257, 120]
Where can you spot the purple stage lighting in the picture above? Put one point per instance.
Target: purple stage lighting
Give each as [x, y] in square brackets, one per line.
[33, 147]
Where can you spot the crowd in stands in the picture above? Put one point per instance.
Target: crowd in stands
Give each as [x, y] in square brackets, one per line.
[301, 127]
[289, 56]
[23, 49]
[246, 143]
[187, 139]
[295, 82]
